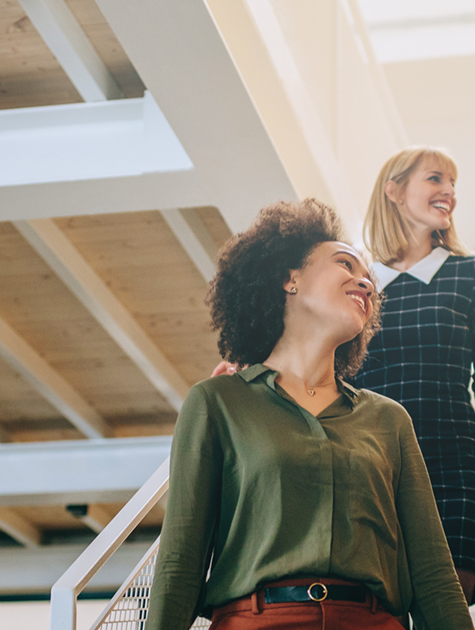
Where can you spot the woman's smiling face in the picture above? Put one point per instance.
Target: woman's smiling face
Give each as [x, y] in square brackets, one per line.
[428, 200]
[334, 289]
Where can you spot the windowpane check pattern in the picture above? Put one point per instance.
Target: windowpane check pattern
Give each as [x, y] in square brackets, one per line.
[423, 358]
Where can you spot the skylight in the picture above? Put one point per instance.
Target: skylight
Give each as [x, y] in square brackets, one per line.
[406, 30]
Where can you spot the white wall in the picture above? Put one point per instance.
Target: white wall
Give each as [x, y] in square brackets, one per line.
[35, 615]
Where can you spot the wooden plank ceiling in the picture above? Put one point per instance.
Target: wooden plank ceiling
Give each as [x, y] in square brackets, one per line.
[135, 254]
[141, 261]
[30, 75]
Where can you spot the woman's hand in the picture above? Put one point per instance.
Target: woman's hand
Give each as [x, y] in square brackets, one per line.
[224, 368]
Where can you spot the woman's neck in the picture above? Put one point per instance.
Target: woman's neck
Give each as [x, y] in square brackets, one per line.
[312, 361]
[306, 372]
[419, 246]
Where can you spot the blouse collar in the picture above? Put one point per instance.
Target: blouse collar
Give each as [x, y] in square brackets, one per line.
[251, 373]
[424, 270]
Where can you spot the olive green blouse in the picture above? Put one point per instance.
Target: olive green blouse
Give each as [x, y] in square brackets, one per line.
[271, 491]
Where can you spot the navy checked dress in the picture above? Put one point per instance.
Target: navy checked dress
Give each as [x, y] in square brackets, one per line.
[423, 358]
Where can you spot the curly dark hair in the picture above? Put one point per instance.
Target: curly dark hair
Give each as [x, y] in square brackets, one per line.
[247, 298]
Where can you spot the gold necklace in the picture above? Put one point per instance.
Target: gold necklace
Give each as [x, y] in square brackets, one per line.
[310, 390]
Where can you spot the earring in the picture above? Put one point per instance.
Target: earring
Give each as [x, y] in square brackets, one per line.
[293, 290]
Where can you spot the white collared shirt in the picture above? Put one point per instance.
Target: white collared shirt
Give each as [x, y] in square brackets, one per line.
[424, 270]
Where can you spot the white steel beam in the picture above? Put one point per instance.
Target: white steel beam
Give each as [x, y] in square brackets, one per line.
[233, 164]
[332, 120]
[61, 255]
[64, 36]
[194, 238]
[81, 141]
[78, 471]
[378, 75]
[50, 384]
[282, 95]
[19, 528]
[35, 570]
[205, 101]
[93, 158]
[102, 195]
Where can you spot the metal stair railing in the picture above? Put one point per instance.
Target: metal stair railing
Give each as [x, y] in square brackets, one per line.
[128, 608]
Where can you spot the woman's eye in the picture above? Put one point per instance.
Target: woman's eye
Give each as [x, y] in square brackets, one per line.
[435, 178]
[347, 263]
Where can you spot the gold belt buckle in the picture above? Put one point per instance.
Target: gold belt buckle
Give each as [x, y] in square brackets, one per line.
[317, 599]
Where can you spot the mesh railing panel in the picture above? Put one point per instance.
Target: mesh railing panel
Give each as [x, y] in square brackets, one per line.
[130, 610]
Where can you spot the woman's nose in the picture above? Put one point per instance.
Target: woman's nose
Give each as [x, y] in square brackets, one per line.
[367, 286]
[448, 189]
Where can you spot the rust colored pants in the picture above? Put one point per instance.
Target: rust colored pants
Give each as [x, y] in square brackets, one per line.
[252, 613]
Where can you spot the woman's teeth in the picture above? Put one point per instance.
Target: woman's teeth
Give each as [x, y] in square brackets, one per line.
[358, 299]
[440, 205]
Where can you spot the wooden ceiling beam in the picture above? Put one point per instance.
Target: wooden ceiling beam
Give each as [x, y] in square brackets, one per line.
[95, 517]
[65, 260]
[19, 528]
[25, 360]
[4, 435]
[194, 238]
[64, 36]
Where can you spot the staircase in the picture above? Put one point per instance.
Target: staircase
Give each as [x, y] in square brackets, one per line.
[128, 609]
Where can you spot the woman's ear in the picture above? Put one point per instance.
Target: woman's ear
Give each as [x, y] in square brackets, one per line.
[290, 286]
[391, 188]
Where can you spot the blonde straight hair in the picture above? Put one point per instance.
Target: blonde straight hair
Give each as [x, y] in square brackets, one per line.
[385, 227]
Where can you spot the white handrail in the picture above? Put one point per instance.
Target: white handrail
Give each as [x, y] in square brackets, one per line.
[65, 591]
[135, 572]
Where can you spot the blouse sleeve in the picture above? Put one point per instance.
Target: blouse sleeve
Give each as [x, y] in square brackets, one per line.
[439, 603]
[191, 515]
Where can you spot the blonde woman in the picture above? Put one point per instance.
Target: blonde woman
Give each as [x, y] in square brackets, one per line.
[423, 355]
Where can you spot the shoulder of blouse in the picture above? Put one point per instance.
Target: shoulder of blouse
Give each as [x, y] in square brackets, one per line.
[216, 384]
[383, 404]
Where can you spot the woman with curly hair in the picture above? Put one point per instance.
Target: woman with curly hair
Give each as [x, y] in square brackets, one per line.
[297, 501]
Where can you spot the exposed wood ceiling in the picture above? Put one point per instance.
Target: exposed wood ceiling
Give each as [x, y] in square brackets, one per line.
[135, 255]
[144, 265]
[30, 75]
